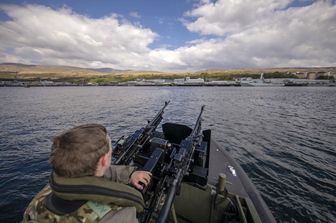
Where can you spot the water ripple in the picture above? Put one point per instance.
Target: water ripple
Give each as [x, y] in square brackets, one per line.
[284, 138]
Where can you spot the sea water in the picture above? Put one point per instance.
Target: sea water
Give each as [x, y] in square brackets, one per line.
[284, 138]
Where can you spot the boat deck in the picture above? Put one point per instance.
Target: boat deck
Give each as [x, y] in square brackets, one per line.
[239, 183]
[219, 163]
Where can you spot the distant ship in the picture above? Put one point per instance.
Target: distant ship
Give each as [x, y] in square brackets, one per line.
[250, 82]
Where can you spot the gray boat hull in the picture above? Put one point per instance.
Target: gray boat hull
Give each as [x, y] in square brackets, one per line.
[220, 162]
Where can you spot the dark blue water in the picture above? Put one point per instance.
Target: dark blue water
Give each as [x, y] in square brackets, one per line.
[284, 138]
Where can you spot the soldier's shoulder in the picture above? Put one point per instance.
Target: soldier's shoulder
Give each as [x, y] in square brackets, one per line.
[90, 212]
[35, 207]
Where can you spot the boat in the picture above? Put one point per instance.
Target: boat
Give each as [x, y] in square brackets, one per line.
[250, 82]
[194, 179]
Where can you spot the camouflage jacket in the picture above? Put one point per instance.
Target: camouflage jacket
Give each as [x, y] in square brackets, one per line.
[90, 211]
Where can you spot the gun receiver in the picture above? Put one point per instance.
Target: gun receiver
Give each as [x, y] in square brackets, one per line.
[131, 146]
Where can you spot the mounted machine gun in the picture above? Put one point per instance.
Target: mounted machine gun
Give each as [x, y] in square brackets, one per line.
[193, 179]
[177, 154]
[126, 150]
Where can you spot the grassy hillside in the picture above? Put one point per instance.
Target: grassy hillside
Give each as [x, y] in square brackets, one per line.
[33, 72]
[21, 71]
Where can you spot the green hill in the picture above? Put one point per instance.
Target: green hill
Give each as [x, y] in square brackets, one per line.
[11, 71]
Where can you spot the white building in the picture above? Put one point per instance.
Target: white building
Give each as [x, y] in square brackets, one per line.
[179, 81]
[193, 81]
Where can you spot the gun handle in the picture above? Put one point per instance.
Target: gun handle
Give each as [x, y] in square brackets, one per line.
[153, 160]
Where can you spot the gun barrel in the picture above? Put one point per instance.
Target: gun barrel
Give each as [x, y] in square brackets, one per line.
[198, 123]
[144, 135]
[158, 117]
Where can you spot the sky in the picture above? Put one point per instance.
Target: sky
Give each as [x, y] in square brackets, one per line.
[169, 35]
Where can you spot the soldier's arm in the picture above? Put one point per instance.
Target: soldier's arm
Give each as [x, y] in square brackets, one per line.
[119, 173]
[127, 174]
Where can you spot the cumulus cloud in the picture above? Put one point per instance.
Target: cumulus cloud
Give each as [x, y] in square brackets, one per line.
[261, 33]
[268, 32]
[61, 36]
[227, 16]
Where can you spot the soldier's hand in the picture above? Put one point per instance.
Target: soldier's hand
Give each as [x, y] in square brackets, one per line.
[139, 179]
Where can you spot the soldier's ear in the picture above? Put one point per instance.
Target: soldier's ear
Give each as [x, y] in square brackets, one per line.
[102, 162]
[104, 159]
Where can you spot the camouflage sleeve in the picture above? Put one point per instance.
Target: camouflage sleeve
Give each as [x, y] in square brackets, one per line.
[119, 173]
[125, 215]
[36, 206]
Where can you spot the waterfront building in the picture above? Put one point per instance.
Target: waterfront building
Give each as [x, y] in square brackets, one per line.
[188, 80]
[179, 81]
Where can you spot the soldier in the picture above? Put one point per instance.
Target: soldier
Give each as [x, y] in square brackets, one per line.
[83, 186]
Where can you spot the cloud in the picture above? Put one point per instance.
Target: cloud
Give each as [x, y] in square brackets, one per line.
[135, 15]
[49, 36]
[225, 16]
[233, 34]
[267, 33]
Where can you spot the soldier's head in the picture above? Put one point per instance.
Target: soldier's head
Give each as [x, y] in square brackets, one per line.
[81, 151]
